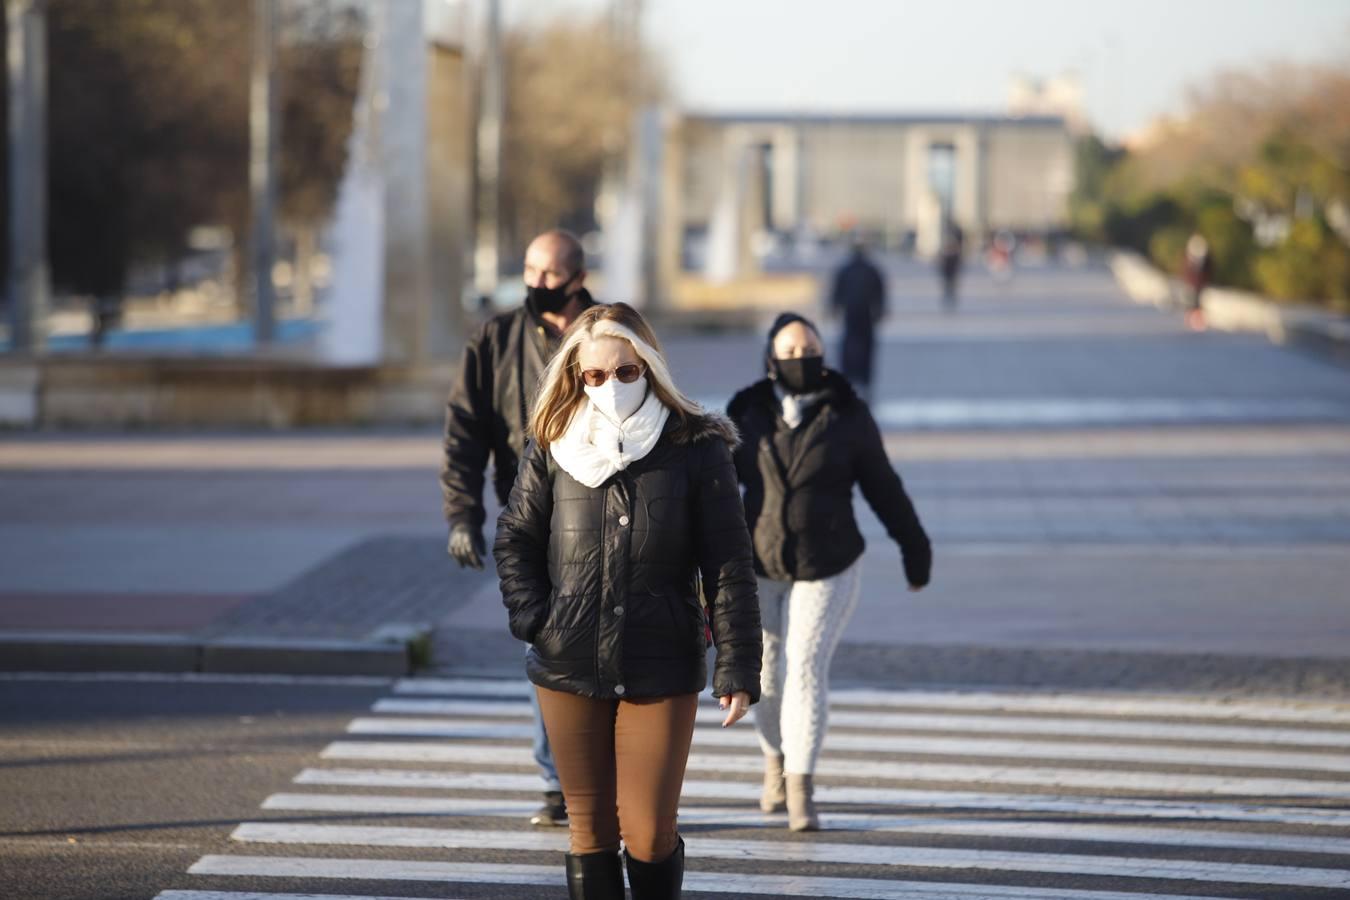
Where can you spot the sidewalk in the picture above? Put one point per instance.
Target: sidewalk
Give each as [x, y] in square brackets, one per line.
[316, 554]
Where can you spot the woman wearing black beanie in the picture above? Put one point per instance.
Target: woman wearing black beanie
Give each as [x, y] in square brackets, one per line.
[806, 440]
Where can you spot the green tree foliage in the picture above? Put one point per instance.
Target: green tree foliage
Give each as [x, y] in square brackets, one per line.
[1260, 165]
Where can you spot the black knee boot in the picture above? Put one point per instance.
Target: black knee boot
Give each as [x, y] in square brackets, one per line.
[657, 881]
[594, 876]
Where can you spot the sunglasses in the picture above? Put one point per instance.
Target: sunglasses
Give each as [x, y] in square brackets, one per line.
[626, 374]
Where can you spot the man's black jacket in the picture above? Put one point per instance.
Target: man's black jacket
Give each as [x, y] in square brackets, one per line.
[488, 409]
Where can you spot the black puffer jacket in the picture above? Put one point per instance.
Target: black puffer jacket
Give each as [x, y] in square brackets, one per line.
[604, 582]
[486, 412]
[799, 485]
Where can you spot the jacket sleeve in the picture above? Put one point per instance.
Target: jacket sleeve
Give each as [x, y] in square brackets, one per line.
[726, 565]
[468, 435]
[736, 413]
[885, 493]
[521, 547]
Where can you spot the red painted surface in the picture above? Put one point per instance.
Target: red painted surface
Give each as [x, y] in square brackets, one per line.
[114, 612]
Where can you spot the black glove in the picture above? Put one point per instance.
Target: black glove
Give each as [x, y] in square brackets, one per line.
[467, 547]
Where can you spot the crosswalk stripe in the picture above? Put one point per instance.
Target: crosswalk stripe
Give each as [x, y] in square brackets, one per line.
[706, 882]
[846, 718]
[871, 796]
[496, 754]
[902, 744]
[739, 817]
[1293, 711]
[819, 852]
[258, 895]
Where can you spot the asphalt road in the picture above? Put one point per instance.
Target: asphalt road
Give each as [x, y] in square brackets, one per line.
[112, 788]
[126, 789]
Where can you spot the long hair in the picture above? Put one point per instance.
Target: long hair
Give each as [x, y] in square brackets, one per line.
[561, 393]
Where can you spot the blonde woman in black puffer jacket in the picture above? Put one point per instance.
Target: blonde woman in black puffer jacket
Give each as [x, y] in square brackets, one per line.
[626, 504]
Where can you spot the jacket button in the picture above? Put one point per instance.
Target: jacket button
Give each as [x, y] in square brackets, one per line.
[623, 520]
[619, 689]
[618, 610]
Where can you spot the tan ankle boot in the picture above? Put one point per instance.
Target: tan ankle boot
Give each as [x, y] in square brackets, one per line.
[774, 798]
[800, 805]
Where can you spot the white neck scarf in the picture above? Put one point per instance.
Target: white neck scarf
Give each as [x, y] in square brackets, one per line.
[594, 446]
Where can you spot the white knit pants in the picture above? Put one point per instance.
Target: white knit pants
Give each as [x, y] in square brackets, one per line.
[803, 622]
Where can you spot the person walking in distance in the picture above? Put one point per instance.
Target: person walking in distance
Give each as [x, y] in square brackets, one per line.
[949, 263]
[487, 414]
[1196, 270]
[626, 504]
[859, 296]
[807, 440]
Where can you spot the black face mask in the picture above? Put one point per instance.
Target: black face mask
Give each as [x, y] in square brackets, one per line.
[800, 376]
[548, 300]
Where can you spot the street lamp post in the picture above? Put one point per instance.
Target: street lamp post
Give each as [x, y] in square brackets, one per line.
[487, 259]
[262, 168]
[28, 281]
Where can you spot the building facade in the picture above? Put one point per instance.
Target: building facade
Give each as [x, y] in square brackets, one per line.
[896, 179]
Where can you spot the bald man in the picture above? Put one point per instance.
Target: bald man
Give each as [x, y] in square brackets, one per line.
[488, 407]
[488, 410]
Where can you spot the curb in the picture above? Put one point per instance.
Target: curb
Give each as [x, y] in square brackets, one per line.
[79, 652]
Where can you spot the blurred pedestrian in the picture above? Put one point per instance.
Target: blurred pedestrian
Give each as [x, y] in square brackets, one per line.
[107, 316]
[859, 296]
[1000, 256]
[487, 414]
[1196, 270]
[949, 263]
[626, 503]
[806, 441]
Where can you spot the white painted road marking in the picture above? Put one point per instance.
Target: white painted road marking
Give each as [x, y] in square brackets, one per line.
[745, 738]
[1282, 710]
[853, 768]
[740, 817]
[706, 882]
[815, 852]
[881, 721]
[872, 796]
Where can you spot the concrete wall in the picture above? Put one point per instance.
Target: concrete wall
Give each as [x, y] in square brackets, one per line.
[1009, 173]
[195, 393]
[1030, 175]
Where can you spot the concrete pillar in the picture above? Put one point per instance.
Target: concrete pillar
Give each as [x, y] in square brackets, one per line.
[450, 188]
[264, 139]
[971, 202]
[424, 125]
[29, 280]
[785, 205]
[670, 225]
[488, 135]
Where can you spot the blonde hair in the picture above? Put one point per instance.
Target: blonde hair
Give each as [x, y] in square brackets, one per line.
[560, 391]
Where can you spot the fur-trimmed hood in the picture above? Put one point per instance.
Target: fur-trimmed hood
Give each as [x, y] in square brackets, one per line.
[708, 425]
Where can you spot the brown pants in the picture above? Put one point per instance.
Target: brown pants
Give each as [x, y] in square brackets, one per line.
[621, 764]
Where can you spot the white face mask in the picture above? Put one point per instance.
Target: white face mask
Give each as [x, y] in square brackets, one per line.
[617, 400]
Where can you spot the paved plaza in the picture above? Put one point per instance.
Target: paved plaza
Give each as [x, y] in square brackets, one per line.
[1096, 480]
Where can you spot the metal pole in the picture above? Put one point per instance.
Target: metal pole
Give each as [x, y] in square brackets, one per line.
[487, 251]
[28, 286]
[262, 168]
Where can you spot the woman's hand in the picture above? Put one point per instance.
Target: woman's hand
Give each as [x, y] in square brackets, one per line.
[737, 705]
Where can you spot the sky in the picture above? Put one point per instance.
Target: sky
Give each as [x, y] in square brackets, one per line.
[1135, 60]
